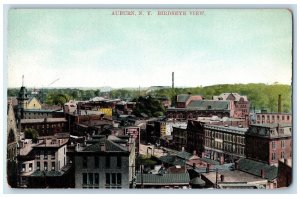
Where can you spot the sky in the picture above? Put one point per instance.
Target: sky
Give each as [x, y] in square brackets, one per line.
[93, 48]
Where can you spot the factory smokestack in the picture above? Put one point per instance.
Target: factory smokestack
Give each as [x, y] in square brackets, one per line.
[172, 80]
[279, 103]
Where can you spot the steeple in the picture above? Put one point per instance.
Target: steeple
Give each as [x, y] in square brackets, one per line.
[22, 98]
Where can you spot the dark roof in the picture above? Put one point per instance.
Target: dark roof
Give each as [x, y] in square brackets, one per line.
[255, 167]
[197, 181]
[184, 155]
[46, 173]
[180, 178]
[209, 104]
[272, 125]
[173, 160]
[183, 97]
[109, 147]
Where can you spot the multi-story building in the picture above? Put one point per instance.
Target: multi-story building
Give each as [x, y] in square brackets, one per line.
[241, 103]
[179, 137]
[269, 143]
[221, 140]
[45, 126]
[202, 108]
[266, 118]
[107, 163]
[44, 164]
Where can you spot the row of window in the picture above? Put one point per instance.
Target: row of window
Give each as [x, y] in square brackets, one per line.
[92, 179]
[38, 167]
[282, 155]
[44, 155]
[107, 162]
[225, 136]
[273, 117]
[225, 146]
[282, 143]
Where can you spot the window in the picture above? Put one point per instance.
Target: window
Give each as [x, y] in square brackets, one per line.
[288, 117]
[282, 154]
[119, 178]
[84, 162]
[113, 179]
[23, 167]
[52, 155]
[96, 161]
[38, 155]
[107, 161]
[282, 117]
[107, 179]
[45, 166]
[273, 156]
[38, 166]
[91, 178]
[96, 178]
[273, 145]
[46, 155]
[282, 143]
[119, 161]
[30, 167]
[53, 166]
[84, 178]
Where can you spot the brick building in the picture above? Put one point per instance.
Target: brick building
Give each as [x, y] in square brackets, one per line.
[284, 173]
[272, 142]
[241, 103]
[218, 139]
[183, 100]
[202, 108]
[179, 137]
[266, 118]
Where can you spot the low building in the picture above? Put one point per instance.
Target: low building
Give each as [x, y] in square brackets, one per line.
[272, 142]
[167, 180]
[105, 163]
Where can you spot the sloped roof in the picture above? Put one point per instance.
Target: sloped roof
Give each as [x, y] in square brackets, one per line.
[224, 96]
[197, 181]
[46, 173]
[109, 147]
[184, 155]
[177, 178]
[173, 160]
[255, 167]
[183, 97]
[209, 104]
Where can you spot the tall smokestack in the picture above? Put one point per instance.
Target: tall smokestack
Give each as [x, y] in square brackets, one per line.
[279, 103]
[172, 80]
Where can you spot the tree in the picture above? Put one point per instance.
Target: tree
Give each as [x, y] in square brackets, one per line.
[31, 134]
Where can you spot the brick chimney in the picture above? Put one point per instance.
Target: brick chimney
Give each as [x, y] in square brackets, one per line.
[207, 168]
[279, 103]
[262, 173]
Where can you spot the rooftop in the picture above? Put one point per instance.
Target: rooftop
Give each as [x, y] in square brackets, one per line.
[230, 129]
[41, 120]
[164, 179]
[209, 105]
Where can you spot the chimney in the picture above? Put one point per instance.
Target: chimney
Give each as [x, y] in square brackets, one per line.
[236, 165]
[195, 152]
[203, 154]
[279, 103]
[207, 168]
[222, 178]
[182, 149]
[262, 173]
[172, 80]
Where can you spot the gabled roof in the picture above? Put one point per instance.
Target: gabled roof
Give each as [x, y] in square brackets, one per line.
[224, 96]
[109, 147]
[183, 97]
[255, 167]
[209, 104]
[173, 160]
[164, 179]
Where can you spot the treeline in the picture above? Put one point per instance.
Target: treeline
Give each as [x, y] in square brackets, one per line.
[261, 96]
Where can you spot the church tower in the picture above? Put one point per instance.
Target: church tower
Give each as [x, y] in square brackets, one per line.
[22, 100]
